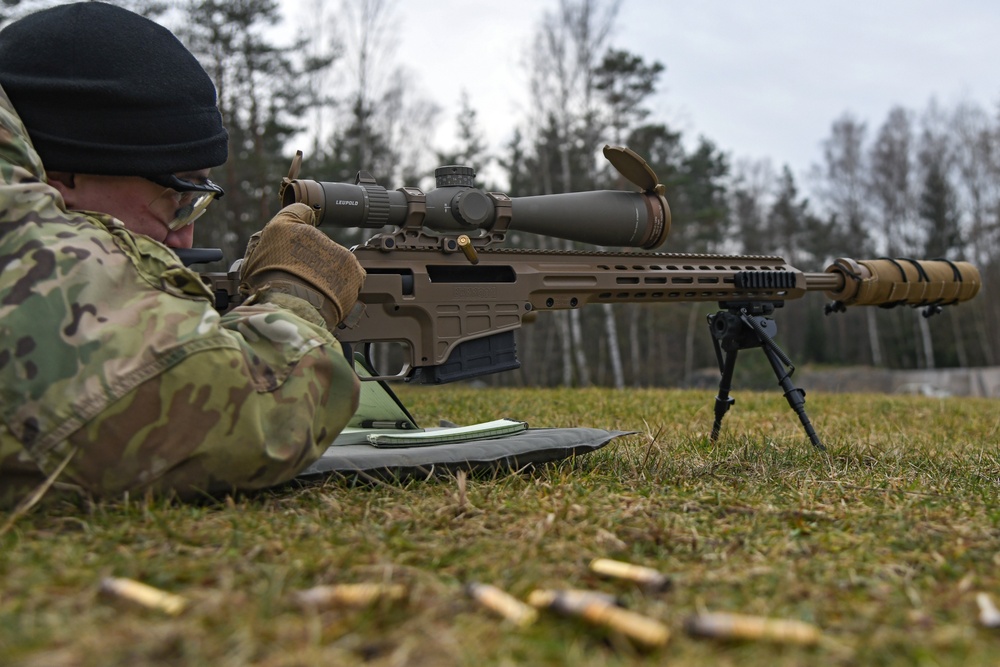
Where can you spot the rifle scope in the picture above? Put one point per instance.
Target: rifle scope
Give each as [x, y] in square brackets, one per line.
[602, 217]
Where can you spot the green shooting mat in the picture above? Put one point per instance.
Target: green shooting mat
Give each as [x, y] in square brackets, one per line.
[497, 445]
[512, 452]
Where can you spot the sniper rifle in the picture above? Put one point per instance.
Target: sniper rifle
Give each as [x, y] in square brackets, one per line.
[439, 284]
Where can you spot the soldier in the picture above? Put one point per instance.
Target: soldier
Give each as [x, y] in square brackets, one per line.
[116, 372]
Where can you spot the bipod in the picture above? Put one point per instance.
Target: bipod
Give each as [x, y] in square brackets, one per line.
[742, 326]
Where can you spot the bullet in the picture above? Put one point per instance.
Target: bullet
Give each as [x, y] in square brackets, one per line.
[578, 596]
[719, 625]
[599, 610]
[144, 595]
[644, 576]
[349, 595]
[503, 603]
[465, 244]
[989, 616]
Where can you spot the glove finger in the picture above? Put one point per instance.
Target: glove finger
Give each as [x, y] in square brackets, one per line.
[251, 246]
[298, 213]
[330, 273]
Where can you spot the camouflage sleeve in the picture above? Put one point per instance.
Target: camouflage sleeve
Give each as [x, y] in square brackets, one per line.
[113, 350]
[245, 417]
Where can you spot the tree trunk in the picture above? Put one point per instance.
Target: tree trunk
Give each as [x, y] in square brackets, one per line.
[963, 356]
[689, 339]
[614, 349]
[633, 344]
[873, 337]
[925, 339]
[576, 335]
[986, 344]
[566, 348]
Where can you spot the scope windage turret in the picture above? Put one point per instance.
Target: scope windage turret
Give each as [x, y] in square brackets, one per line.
[602, 217]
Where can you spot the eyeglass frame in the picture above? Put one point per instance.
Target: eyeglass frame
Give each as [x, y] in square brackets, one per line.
[187, 214]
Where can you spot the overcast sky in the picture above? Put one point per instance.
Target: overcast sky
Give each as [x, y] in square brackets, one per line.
[760, 79]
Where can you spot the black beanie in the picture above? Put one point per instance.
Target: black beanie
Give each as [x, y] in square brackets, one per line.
[103, 90]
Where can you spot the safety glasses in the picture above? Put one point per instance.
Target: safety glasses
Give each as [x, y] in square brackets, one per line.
[189, 199]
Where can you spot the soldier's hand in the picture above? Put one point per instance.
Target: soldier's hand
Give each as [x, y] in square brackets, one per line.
[291, 257]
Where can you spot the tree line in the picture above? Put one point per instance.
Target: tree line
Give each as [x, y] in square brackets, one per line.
[919, 183]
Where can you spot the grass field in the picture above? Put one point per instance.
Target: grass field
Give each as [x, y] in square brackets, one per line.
[883, 543]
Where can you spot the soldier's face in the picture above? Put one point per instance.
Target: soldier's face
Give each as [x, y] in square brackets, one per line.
[140, 204]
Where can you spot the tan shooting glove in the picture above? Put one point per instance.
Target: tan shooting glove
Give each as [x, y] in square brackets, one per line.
[292, 264]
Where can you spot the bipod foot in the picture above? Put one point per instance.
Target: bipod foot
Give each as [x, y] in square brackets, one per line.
[795, 396]
[722, 406]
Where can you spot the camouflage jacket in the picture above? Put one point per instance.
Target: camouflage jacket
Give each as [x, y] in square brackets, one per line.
[114, 358]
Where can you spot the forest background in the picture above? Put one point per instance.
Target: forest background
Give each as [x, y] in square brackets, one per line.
[918, 183]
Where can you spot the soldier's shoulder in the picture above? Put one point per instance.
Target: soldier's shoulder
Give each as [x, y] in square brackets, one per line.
[18, 159]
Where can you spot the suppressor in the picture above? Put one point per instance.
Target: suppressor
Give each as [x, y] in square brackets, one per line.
[911, 282]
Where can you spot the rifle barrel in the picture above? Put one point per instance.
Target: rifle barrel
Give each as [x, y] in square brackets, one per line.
[824, 282]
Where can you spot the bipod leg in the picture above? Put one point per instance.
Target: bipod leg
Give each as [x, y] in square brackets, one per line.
[795, 396]
[726, 329]
[723, 401]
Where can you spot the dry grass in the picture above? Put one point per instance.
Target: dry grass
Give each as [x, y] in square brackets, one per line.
[883, 542]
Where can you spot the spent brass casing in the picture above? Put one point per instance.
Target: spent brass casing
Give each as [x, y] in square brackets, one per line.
[598, 609]
[644, 576]
[465, 245]
[720, 625]
[503, 603]
[989, 615]
[144, 595]
[349, 595]
[576, 598]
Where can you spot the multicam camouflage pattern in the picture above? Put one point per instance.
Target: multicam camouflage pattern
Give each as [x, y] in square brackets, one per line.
[112, 349]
